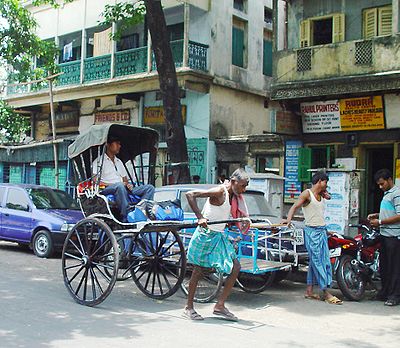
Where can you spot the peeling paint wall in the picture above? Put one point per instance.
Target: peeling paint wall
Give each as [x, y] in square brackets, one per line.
[237, 113]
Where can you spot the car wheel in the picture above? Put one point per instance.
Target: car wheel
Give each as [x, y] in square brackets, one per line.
[43, 244]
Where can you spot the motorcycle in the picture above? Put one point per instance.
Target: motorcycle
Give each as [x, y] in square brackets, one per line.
[355, 261]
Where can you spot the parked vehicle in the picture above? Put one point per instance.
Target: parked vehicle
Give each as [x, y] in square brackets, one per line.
[355, 261]
[37, 216]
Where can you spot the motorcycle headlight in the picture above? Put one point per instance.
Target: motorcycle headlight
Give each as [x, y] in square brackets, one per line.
[66, 227]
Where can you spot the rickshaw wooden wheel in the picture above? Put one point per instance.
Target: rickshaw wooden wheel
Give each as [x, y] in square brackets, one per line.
[90, 261]
[157, 263]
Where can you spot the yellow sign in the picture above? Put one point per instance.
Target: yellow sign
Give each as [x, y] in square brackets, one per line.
[362, 113]
[154, 115]
[397, 177]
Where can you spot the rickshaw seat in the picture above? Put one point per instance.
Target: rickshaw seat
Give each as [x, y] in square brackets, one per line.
[133, 199]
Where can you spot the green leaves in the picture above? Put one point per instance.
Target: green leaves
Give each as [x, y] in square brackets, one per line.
[13, 126]
[125, 14]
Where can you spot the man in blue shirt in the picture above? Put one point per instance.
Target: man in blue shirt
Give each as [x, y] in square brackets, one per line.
[388, 220]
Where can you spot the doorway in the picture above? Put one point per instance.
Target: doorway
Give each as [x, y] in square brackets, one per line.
[377, 158]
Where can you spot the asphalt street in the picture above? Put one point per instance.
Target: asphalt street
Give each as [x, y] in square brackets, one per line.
[37, 311]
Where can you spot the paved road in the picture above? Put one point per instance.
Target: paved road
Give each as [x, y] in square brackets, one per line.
[37, 311]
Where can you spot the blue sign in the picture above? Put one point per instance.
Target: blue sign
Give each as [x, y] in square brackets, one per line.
[292, 184]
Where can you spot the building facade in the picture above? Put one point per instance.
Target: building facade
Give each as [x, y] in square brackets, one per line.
[337, 70]
[223, 56]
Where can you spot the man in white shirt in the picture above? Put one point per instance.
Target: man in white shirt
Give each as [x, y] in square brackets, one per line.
[115, 178]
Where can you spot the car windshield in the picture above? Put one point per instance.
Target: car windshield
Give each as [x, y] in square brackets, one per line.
[51, 199]
[257, 204]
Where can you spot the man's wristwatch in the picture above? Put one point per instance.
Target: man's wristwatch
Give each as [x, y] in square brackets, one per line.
[379, 222]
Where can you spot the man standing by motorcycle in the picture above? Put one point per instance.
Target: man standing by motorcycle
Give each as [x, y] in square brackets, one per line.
[388, 220]
[316, 239]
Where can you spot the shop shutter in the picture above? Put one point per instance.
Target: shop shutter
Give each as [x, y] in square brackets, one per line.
[267, 59]
[1, 172]
[370, 19]
[305, 33]
[304, 164]
[385, 20]
[16, 174]
[338, 30]
[237, 46]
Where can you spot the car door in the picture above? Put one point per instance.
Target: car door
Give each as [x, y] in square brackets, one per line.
[17, 215]
[2, 193]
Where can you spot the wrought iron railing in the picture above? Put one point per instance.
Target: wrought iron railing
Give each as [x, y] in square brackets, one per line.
[97, 68]
[72, 73]
[131, 61]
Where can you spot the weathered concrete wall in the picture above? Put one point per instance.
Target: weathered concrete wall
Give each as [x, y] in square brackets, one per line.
[338, 59]
[236, 113]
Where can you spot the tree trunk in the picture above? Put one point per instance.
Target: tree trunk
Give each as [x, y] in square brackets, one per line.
[169, 89]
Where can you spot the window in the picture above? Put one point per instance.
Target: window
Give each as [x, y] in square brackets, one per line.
[268, 16]
[2, 191]
[127, 42]
[175, 31]
[322, 30]
[267, 53]
[239, 5]
[239, 36]
[268, 164]
[314, 158]
[16, 199]
[377, 21]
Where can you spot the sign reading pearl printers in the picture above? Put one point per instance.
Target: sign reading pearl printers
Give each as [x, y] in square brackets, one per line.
[343, 115]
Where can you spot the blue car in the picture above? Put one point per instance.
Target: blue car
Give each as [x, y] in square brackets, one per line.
[36, 216]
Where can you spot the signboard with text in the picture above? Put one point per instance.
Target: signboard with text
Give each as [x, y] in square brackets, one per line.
[292, 188]
[197, 152]
[154, 115]
[121, 116]
[352, 114]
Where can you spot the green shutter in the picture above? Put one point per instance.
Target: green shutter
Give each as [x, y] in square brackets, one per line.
[15, 174]
[304, 164]
[237, 46]
[267, 59]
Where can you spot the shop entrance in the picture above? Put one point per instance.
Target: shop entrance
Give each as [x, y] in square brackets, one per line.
[377, 158]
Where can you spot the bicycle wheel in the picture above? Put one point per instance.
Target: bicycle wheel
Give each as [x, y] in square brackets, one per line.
[255, 283]
[208, 287]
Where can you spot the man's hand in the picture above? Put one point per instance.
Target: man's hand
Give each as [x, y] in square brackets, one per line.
[372, 216]
[129, 186]
[202, 222]
[374, 222]
[285, 222]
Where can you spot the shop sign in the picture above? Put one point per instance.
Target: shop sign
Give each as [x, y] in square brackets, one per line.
[197, 153]
[120, 116]
[66, 121]
[154, 115]
[353, 114]
[292, 184]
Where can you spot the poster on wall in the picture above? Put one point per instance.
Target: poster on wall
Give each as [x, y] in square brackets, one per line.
[337, 208]
[197, 153]
[292, 187]
[351, 114]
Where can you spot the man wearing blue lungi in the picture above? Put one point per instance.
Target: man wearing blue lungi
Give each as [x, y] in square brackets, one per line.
[209, 247]
[316, 239]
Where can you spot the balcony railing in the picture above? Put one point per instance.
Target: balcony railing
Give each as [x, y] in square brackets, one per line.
[348, 58]
[129, 62]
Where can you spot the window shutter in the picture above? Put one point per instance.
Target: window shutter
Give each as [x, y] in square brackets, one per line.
[267, 59]
[370, 20]
[385, 20]
[338, 30]
[304, 164]
[305, 33]
[237, 46]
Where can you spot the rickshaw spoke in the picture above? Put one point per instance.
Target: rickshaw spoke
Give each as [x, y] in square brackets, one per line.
[73, 256]
[159, 283]
[166, 280]
[86, 284]
[97, 281]
[74, 266]
[164, 239]
[106, 255]
[154, 279]
[93, 283]
[105, 276]
[169, 271]
[80, 241]
[76, 274]
[80, 283]
[98, 249]
[76, 247]
[97, 264]
[148, 278]
[148, 265]
[169, 255]
[169, 247]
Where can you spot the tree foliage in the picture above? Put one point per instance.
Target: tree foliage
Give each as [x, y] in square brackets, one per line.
[13, 126]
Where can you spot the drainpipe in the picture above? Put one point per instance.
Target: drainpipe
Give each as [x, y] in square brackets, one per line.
[84, 43]
[149, 60]
[113, 50]
[395, 16]
[53, 128]
[186, 20]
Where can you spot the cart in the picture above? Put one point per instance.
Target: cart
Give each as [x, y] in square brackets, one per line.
[261, 253]
[100, 246]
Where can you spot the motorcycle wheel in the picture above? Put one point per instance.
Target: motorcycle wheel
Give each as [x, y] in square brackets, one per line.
[350, 283]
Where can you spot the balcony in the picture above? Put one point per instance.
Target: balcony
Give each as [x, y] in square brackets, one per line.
[126, 63]
[334, 65]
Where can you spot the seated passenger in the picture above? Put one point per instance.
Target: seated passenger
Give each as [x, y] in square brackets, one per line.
[115, 178]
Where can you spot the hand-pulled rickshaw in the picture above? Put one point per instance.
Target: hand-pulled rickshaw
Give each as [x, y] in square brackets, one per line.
[97, 246]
